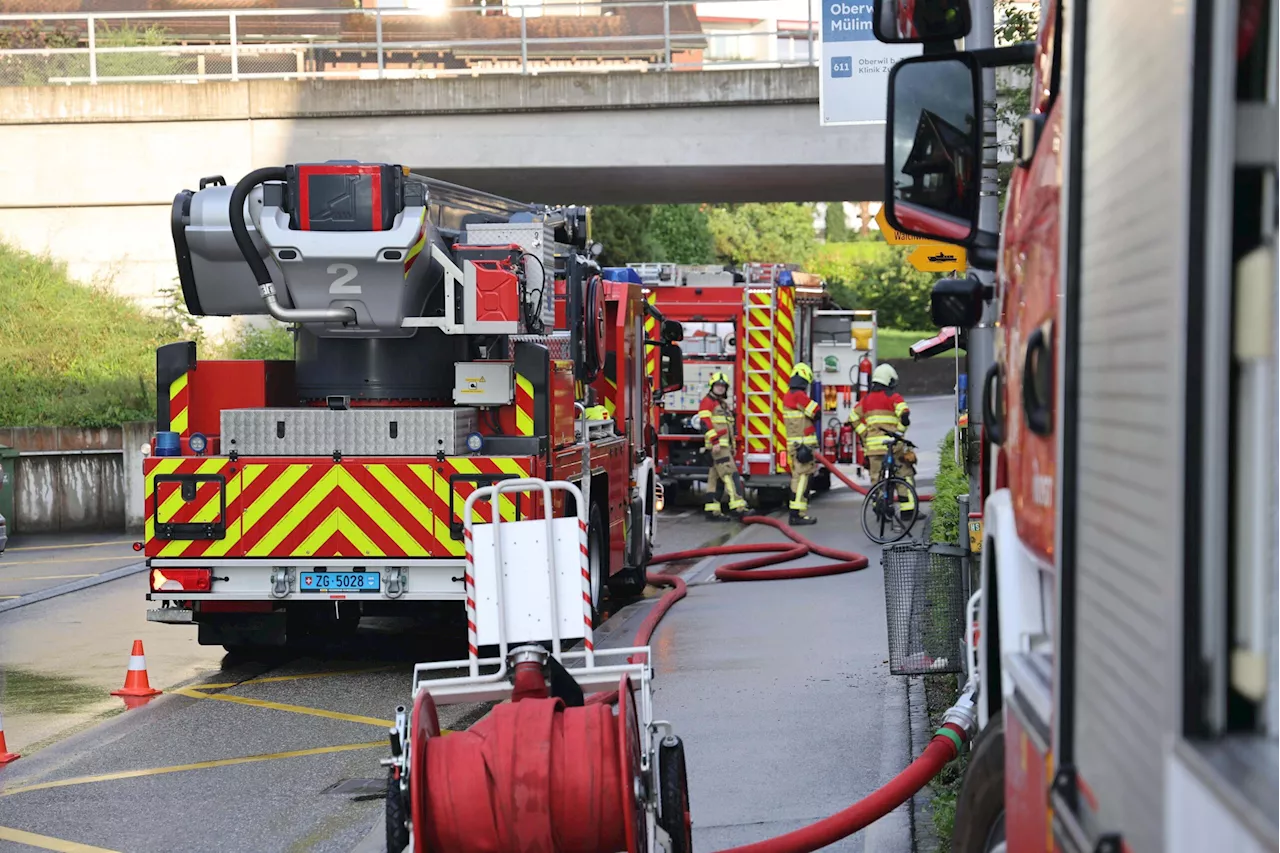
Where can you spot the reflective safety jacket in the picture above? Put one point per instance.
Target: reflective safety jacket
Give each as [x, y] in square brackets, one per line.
[798, 412]
[877, 414]
[716, 418]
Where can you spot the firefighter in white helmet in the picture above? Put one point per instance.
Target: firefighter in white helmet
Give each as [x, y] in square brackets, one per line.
[881, 412]
[716, 418]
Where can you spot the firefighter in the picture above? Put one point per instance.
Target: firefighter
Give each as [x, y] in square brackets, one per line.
[715, 418]
[798, 412]
[881, 411]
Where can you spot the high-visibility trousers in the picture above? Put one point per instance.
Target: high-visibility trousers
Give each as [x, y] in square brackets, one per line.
[723, 472]
[906, 471]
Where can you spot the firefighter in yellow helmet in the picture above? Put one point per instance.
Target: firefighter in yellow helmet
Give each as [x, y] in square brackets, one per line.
[798, 412]
[877, 414]
[716, 419]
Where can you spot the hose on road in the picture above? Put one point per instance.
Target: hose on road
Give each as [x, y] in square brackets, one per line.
[941, 750]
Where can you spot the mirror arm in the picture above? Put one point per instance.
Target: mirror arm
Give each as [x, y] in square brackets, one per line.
[1023, 53]
[983, 258]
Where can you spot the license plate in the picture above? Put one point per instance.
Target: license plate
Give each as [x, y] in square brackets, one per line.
[339, 581]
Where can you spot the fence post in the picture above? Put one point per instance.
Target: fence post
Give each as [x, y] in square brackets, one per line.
[524, 43]
[666, 32]
[235, 48]
[812, 60]
[377, 25]
[93, 55]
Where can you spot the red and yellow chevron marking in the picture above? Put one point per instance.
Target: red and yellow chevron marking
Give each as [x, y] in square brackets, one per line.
[652, 354]
[784, 350]
[524, 406]
[164, 503]
[286, 508]
[178, 403]
[419, 244]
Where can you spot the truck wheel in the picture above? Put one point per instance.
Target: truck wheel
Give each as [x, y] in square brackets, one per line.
[397, 816]
[979, 825]
[630, 582]
[597, 561]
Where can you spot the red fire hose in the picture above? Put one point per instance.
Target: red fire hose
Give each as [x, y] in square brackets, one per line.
[494, 788]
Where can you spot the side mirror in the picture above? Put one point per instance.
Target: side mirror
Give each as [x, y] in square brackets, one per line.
[956, 302]
[919, 21]
[672, 331]
[934, 147]
[672, 368]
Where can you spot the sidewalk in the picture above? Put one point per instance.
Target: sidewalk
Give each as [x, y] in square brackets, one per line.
[782, 694]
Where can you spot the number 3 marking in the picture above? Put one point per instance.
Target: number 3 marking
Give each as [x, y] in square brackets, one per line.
[345, 273]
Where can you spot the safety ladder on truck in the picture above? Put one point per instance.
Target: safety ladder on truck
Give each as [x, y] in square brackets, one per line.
[758, 384]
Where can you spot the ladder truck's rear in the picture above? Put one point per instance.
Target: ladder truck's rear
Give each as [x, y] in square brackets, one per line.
[287, 498]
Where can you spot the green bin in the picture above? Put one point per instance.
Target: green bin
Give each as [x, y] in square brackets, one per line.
[8, 460]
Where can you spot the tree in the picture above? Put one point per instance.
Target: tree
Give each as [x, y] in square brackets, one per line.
[1013, 86]
[682, 233]
[625, 232]
[776, 233]
[834, 227]
[880, 279]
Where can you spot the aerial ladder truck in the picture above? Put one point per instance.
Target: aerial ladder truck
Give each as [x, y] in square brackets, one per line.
[286, 499]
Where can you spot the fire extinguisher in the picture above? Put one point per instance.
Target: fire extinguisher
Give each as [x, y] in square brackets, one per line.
[864, 376]
[846, 442]
[829, 440]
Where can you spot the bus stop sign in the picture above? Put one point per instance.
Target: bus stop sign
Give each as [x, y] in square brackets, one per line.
[855, 67]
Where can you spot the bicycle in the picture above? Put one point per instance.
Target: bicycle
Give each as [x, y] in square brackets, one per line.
[883, 519]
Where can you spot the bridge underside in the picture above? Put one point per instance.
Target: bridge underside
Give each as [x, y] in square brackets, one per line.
[674, 184]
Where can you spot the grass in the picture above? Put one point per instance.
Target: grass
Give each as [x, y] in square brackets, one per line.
[73, 354]
[951, 482]
[896, 343]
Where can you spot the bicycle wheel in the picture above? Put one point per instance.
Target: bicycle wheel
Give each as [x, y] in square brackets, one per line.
[882, 517]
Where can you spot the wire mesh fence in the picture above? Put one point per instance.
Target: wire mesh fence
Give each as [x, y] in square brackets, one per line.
[925, 600]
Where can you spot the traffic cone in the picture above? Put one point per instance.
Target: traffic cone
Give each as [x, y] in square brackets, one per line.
[135, 680]
[5, 755]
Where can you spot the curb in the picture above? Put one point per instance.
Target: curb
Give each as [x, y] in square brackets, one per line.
[74, 586]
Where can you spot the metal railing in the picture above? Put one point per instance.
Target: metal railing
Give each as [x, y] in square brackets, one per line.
[521, 37]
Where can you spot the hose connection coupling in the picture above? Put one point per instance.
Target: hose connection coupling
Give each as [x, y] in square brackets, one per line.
[964, 712]
[529, 680]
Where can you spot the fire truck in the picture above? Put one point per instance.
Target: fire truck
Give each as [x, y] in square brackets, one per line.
[289, 498]
[1123, 648]
[754, 325]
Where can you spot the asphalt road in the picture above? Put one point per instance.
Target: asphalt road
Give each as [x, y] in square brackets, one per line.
[780, 690]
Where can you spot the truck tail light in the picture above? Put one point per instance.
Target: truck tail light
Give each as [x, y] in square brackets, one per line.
[181, 580]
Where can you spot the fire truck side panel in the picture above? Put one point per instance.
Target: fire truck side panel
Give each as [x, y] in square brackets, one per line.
[1137, 207]
[609, 463]
[1028, 775]
[1028, 271]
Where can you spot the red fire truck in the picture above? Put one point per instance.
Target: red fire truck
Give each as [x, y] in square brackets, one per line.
[753, 324]
[286, 497]
[1124, 650]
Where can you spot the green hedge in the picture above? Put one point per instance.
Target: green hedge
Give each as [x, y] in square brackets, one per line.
[952, 481]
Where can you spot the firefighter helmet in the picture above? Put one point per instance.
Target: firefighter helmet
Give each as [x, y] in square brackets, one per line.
[803, 371]
[885, 375]
[717, 378]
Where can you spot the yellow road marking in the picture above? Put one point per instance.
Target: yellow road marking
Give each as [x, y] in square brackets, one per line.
[276, 678]
[178, 768]
[62, 547]
[47, 577]
[44, 842]
[10, 596]
[193, 693]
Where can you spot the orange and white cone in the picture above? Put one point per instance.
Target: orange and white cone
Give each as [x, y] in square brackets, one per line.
[5, 755]
[135, 680]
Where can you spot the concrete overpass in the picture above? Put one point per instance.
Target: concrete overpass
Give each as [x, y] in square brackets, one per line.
[93, 169]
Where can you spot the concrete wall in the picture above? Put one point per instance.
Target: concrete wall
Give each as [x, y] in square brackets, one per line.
[69, 480]
[102, 164]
